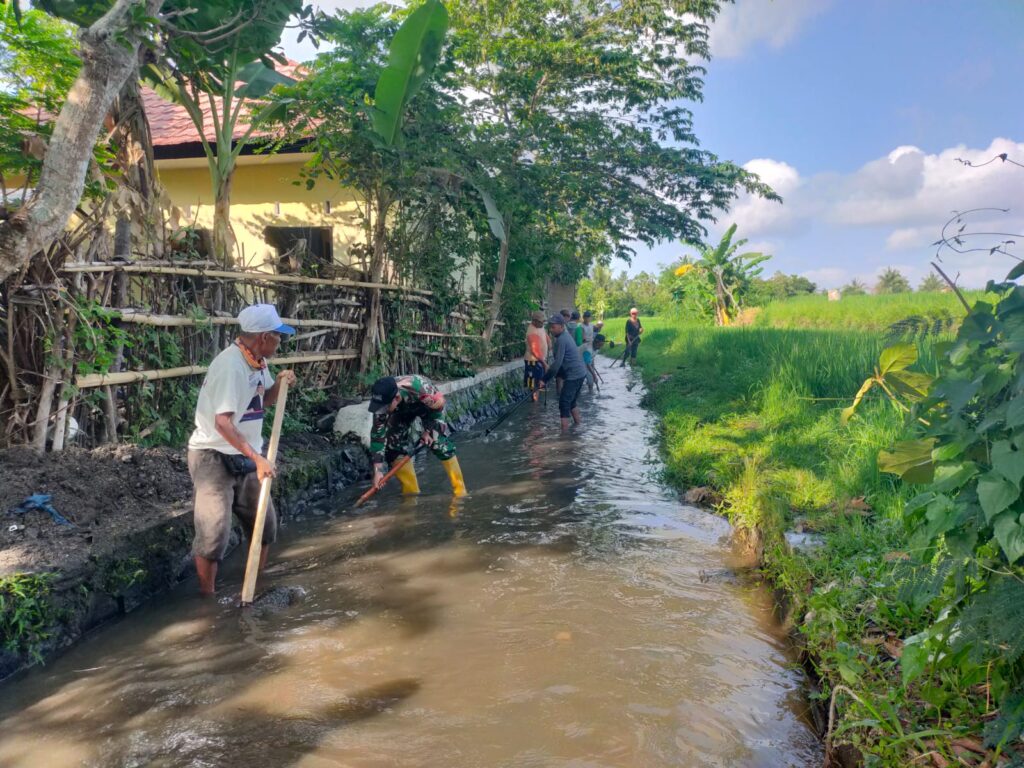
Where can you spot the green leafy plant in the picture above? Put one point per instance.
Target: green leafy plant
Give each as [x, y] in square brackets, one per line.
[892, 281]
[721, 275]
[97, 337]
[968, 517]
[25, 612]
[893, 377]
[122, 575]
[414, 52]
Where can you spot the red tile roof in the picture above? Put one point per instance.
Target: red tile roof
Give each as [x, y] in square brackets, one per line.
[170, 124]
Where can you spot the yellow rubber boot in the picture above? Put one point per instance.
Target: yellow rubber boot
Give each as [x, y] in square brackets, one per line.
[451, 466]
[407, 477]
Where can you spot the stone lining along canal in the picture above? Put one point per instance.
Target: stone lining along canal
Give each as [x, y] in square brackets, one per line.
[556, 617]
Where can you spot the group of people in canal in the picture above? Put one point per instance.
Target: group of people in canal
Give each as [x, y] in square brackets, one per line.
[225, 450]
[564, 352]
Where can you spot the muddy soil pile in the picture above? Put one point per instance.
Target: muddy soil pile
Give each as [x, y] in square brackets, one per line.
[105, 493]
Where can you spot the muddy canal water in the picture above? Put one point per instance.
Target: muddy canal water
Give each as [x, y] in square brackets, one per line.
[562, 615]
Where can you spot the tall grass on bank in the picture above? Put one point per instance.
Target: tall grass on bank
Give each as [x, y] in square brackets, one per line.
[753, 413]
[875, 313]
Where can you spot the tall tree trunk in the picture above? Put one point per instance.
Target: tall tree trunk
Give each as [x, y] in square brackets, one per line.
[223, 239]
[109, 52]
[135, 159]
[373, 310]
[499, 284]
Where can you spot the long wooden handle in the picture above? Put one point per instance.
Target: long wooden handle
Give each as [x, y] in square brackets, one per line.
[391, 473]
[252, 565]
[508, 413]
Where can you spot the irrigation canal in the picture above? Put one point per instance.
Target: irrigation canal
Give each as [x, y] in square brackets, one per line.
[559, 616]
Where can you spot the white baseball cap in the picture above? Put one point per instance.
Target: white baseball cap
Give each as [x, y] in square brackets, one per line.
[262, 318]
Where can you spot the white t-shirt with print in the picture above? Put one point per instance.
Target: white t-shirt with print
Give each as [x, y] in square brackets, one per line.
[231, 386]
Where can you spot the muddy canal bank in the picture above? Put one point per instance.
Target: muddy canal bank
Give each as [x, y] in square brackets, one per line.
[129, 530]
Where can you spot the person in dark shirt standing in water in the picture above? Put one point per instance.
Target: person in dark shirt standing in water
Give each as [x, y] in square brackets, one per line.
[566, 360]
[633, 330]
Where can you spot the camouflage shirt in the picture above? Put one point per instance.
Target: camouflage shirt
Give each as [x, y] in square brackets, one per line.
[419, 399]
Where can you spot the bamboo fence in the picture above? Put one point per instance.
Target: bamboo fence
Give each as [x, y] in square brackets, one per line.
[168, 318]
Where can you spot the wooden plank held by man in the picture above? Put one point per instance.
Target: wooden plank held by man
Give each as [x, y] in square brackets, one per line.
[252, 564]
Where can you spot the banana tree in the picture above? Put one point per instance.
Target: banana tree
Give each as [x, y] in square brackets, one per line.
[413, 55]
[220, 68]
[723, 275]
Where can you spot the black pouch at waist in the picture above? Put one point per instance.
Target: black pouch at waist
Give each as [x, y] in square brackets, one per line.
[236, 464]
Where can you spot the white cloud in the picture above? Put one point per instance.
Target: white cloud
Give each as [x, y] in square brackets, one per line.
[910, 238]
[907, 191]
[898, 203]
[911, 188]
[742, 24]
[757, 216]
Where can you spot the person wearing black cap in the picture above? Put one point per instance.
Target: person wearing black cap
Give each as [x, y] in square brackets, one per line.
[396, 403]
[566, 359]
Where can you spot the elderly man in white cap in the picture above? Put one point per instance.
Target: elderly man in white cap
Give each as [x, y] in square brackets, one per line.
[224, 452]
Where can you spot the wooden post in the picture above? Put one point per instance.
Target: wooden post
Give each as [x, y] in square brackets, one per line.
[252, 565]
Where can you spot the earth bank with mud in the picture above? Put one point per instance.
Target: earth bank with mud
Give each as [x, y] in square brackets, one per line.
[130, 510]
[130, 535]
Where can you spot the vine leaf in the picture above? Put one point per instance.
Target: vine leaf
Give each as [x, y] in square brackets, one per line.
[1010, 535]
[1008, 461]
[847, 413]
[896, 358]
[910, 459]
[911, 384]
[995, 493]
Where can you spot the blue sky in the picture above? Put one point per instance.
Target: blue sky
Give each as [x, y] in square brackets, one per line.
[855, 111]
[823, 93]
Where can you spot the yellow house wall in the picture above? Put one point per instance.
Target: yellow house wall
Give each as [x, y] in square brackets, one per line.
[263, 195]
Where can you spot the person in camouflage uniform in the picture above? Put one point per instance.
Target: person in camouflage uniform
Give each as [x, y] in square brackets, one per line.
[396, 404]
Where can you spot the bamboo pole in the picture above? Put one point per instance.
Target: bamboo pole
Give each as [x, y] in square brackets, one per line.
[100, 266]
[252, 565]
[130, 377]
[147, 318]
[432, 353]
[303, 303]
[420, 299]
[449, 335]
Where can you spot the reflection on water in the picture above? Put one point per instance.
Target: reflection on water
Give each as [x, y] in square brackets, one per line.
[556, 617]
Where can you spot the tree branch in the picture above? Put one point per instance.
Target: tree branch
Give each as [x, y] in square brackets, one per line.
[109, 52]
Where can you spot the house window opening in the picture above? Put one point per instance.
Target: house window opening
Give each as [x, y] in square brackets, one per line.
[301, 250]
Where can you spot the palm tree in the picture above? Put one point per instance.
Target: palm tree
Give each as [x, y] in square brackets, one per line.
[854, 288]
[731, 273]
[892, 281]
[931, 284]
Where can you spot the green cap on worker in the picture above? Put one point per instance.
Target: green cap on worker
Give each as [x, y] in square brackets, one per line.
[262, 318]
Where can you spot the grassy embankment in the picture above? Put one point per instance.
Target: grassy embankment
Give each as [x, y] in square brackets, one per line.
[753, 413]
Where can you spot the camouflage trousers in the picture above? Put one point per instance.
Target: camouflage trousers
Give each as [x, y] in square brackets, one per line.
[402, 436]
